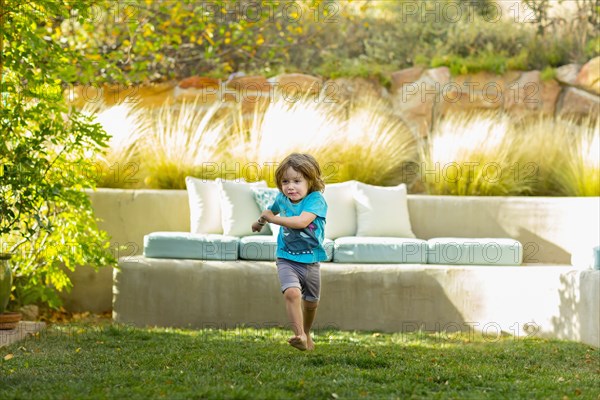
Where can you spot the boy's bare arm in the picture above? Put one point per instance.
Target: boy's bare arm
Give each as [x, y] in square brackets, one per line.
[298, 222]
[258, 225]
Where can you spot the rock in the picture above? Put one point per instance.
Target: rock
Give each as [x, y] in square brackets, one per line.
[30, 312]
[549, 96]
[589, 76]
[524, 94]
[198, 82]
[440, 75]
[466, 93]
[414, 102]
[465, 98]
[483, 81]
[203, 90]
[295, 86]
[255, 83]
[567, 74]
[408, 75]
[248, 91]
[356, 90]
[577, 102]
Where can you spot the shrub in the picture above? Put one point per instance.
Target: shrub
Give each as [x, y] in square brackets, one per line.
[46, 219]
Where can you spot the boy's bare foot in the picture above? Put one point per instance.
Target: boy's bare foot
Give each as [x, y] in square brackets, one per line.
[310, 345]
[299, 342]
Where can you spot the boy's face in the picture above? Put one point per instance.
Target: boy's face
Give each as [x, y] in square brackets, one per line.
[294, 186]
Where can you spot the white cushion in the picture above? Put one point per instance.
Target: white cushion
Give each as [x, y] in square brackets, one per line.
[238, 207]
[341, 212]
[205, 205]
[382, 211]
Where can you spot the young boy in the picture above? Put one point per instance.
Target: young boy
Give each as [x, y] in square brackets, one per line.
[300, 209]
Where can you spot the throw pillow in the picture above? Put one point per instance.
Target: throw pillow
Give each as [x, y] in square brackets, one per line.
[264, 197]
[341, 212]
[205, 205]
[382, 211]
[238, 207]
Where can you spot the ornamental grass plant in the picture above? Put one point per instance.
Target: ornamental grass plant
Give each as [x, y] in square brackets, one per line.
[179, 141]
[469, 154]
[578, 171]
[118, 165]
[472, 154]
[221, 141]
[350, 141]
[489, 155]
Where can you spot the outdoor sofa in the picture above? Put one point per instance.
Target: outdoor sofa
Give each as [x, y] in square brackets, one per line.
[399, 263]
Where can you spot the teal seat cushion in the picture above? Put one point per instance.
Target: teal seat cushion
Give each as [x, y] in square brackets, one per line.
[263, 248]
[188, 245]
[258, 247]
[388, 250]
[475, 251]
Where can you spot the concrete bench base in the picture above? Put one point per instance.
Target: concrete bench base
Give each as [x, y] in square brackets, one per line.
[549, 301]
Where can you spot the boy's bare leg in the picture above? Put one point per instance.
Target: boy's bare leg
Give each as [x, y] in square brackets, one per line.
[309, 311]
[294, 311]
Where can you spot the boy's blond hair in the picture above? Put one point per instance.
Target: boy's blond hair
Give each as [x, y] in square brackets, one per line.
[304, 164]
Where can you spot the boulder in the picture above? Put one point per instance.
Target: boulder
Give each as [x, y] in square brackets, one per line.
[296, 85]
[589, 76]
[524, 94]
[203, 90]
[567, 74]
[549, 96]
[415, 101]
[199, 82]
[577, 102]
[481, 91]
[250, 91]
[354, 90]
[408, 75]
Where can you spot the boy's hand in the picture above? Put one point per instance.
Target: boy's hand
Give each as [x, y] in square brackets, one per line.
[256, 227]
[267, 215]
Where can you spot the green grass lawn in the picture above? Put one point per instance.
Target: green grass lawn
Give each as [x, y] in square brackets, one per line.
[82, 360]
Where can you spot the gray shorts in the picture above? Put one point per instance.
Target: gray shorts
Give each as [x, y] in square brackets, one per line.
[306, 277]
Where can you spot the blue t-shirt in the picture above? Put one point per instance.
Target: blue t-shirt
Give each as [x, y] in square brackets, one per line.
[302, 245]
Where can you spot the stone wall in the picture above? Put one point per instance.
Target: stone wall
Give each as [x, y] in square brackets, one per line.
[417, 95]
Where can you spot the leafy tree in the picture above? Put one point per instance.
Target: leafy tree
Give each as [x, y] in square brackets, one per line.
[158, 40]
[46, 218]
